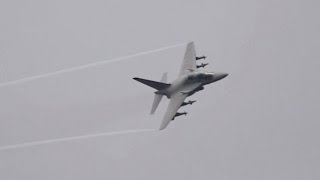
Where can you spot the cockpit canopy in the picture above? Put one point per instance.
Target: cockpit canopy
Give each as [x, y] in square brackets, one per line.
[200, 77]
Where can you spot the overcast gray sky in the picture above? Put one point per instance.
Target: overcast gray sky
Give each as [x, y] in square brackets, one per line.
[261, 122]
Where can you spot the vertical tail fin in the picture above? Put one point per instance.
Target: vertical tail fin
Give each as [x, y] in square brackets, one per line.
[158, 97]
[164, 78]
[156, 101]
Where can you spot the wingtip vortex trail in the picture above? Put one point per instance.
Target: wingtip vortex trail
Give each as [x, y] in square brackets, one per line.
[59, 140]
[28, 79]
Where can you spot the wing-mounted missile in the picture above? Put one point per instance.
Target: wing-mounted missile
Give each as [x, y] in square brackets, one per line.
[187, 103]
[200, 57]
[202, 65]
[179, 114]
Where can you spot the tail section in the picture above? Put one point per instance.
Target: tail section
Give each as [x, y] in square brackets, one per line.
[158, 97]
[153, 84]
[158, 86]
[164, 78]
[156, 102]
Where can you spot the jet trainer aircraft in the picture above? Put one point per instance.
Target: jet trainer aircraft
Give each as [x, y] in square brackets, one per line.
[190, 80]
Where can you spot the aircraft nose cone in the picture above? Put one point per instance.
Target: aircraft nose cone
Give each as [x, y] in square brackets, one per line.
[221, 75]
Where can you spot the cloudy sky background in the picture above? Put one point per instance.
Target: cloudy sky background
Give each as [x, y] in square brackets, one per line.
[261, 122]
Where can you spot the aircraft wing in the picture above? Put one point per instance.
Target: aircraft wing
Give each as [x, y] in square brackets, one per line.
[189, 60]
[174, 104]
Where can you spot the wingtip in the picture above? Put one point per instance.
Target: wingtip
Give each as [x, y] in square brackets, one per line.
[162, 127]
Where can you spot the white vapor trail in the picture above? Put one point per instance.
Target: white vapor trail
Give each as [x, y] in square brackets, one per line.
[27, 79]
[58, 140]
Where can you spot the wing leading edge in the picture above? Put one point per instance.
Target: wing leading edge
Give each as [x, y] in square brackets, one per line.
[189, 60]
[174, 105]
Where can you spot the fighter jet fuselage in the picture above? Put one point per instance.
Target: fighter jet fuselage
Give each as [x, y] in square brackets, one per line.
[200, 78]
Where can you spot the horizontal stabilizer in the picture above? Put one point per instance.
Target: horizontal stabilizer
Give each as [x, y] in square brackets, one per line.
[153, 84]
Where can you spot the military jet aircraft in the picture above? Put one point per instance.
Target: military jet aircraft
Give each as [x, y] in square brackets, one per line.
[189, 81]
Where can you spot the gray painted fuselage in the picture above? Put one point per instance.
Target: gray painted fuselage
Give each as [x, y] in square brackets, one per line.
[197, 78]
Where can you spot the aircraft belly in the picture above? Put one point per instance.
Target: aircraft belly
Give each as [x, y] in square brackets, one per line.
[175, 87]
